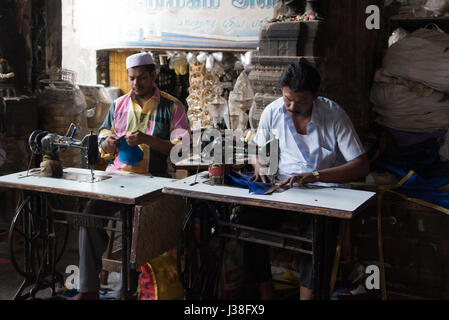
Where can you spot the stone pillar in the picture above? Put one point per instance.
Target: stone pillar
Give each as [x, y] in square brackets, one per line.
[280, 44]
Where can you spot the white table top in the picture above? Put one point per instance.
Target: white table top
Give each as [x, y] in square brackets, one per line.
[127, 188]
[338, 202]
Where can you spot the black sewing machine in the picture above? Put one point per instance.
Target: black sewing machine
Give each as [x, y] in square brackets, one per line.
[50, 144]
[235, 152]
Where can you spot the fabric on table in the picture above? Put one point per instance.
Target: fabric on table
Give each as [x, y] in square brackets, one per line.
[243, 180]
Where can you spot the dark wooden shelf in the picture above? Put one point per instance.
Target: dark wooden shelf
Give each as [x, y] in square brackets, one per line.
[413, 18]
[411, 23]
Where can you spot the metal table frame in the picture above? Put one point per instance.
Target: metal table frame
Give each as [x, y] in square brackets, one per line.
[320, 216]
[47, 213]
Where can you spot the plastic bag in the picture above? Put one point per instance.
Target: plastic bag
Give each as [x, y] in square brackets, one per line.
[159, 279]
[179, 63]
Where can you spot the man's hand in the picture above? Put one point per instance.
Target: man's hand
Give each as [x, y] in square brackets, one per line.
[109, 145]
[258, 174]
[136, 138]
[300, 179]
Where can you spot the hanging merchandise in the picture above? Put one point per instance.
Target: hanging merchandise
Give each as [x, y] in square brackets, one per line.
[256, 111]
[217, 108]
[212, 62]
[205, 88]
[246, 59]
[240, 101]
[178, 62]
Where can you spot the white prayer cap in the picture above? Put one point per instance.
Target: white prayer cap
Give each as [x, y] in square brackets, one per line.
[139, 59]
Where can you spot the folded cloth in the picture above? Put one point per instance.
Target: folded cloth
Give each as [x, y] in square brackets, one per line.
[127, 154]
[242, 180]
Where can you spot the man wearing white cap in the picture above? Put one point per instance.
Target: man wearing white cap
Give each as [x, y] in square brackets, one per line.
[135, 137]
[145, 117]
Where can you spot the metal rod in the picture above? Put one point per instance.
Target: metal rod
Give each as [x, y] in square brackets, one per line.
[68, 130]
[72, 145]
[273, 233]
[105, 228]
[265, 242]
[86, 215]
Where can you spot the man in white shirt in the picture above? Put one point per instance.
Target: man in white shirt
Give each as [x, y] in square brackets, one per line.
[317, 145]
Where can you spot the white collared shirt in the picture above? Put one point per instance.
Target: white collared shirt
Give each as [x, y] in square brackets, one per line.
[330, 141]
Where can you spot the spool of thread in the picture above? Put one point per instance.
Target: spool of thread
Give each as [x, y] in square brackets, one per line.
[217, 173]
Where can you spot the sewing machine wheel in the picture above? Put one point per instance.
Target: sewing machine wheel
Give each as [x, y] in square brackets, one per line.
[200, 255]
[35, 245]
[34, 141]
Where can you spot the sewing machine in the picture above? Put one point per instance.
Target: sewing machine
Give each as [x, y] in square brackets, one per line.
[50, 144]
[40, 225]
[321, 203]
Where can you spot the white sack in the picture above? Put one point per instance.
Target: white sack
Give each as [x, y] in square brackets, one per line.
[423, 56]
[400, 105]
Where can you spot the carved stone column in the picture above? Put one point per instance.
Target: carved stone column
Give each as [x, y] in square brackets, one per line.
[280, 44]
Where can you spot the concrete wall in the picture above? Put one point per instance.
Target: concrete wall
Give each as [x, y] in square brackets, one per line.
[74, 57]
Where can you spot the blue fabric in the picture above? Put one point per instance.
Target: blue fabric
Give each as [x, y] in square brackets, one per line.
[242, 180]
[420, 188]
[417, 187]
[127, 154]
[425, 162]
